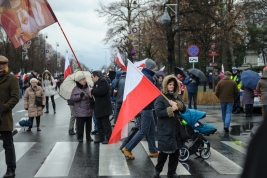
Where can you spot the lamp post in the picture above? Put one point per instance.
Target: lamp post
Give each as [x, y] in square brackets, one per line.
[166, 19]
[57, 45]
[45, 37]
[106, 60]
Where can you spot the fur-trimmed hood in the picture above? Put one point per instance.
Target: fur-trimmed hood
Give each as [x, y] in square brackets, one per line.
[46, 71]
[164, 85]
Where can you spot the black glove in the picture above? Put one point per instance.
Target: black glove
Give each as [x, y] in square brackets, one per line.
[81, 95]
[26, 109]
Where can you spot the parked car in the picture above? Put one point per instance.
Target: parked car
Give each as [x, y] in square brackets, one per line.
[257, 101]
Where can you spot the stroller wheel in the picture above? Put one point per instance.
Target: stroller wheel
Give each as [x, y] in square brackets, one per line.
[184, 154]
[205, 153]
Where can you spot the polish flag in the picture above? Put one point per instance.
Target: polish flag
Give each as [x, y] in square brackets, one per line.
[222, 69]
[162, 69]
[120, 62]
[67, 67]
[18, 74]
[25, 77]
[140, 63]
[135, 98]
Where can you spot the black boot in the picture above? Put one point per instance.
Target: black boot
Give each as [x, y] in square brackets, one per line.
[47, 108]
[156, 175]
[9, 173]
[173, 176]
[54, 107]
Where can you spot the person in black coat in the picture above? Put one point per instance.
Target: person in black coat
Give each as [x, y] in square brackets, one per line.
[169, 141]
[103, 109]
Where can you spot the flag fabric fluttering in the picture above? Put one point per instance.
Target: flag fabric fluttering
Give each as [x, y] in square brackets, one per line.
[67, 70]
[18, 74]
[222, 69]
[24, 24]
[120, 62]
[162, 69]
[140, 63]
[135, 98]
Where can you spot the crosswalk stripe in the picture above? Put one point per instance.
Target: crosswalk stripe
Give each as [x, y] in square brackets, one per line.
[237, 145]
[181, 170]
[20, 148]
[21, 111]
[110, 162]
[222, 164]
[58, 162]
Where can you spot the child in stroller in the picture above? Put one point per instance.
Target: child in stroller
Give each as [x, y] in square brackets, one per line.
[196, 131]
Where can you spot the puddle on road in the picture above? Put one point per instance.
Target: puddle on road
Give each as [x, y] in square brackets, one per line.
[244, 129]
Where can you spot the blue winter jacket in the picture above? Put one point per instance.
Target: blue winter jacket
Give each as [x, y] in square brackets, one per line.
[191, 87]
[149, 74]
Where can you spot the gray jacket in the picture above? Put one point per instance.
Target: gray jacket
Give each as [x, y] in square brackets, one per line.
[120, 88]
[81, 105]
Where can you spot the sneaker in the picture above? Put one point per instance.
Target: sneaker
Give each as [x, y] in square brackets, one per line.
[9, 173]
[156, 175]
[127, 153]
[154, 154]
[71, 132]
[94, 132]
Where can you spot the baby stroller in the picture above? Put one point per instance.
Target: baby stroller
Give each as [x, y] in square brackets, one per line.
[196, 131]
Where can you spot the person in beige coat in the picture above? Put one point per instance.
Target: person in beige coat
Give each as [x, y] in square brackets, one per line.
[262, 90]
[29, 102]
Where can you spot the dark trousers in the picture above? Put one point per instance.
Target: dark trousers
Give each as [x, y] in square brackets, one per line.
[190, 97]
[37, 121]
[52, 100]
[104, 128]
[236, 107]
[249, 109]
[173, 162]
[117, 111]
[81, 121]
[8, 145]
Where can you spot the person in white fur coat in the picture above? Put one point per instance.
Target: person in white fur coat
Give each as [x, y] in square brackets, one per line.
[49, 85]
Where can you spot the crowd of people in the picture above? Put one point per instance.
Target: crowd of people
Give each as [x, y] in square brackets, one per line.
[86, 106]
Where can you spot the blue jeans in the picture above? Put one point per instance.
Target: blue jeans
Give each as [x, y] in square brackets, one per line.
[20, 92]
[95, 122]
[190, 97]
[226, 113]
[147, 129]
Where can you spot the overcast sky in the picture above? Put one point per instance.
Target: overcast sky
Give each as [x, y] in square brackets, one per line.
[83, 28]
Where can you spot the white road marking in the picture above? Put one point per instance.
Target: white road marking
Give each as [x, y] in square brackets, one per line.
[20, 148]
[111, 161]
[181, 170]
[237, 145]
[58, 162]
[21, 111]
[222, 164]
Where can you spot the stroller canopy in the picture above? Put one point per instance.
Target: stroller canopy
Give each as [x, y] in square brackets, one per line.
[191, 116]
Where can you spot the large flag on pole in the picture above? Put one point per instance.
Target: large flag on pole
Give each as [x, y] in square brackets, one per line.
[120, 61]
[135, 98]
[23, 21]
[67, 70]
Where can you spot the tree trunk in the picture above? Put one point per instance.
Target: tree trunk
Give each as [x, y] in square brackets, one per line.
[224, 55]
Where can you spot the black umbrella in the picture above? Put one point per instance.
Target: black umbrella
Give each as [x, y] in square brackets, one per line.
[178, 70]
[198, 73]
[160, 73]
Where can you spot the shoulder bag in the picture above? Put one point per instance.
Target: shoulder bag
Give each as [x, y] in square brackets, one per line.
[38, 100]
[183, 130]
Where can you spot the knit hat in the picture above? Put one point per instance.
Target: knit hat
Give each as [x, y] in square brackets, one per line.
[34, 80]
[3, 59]
[79, 77]
[150, 64]
[227, 73]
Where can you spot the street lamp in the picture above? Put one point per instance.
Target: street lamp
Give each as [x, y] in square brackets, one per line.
[57, 45]
[166, 19]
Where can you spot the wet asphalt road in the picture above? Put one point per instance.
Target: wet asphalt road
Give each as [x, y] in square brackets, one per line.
[48, 154]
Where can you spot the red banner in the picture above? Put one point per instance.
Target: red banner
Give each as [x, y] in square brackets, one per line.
[23, 19]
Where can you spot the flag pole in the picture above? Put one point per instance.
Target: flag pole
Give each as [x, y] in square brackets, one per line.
[70, 46]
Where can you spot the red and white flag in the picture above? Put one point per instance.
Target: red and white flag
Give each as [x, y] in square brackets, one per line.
[135, 98]
[120, 62]
[162, 69]
[140, 63]
[18, 74]
[67, 70]
[222, 69]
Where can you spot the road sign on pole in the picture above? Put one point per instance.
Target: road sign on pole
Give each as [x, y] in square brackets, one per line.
[193, 59]
[193, 50]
